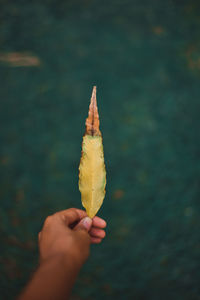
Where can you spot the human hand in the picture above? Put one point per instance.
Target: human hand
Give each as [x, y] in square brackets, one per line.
[69, 233]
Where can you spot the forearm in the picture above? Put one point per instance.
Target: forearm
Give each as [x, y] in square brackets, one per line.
[53, 279]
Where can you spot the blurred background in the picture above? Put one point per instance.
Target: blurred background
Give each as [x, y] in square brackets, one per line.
[144, 57]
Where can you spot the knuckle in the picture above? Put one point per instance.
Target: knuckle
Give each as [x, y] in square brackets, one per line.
[48, 220]
[72, 209]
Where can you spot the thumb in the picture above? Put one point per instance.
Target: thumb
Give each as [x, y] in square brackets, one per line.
[85, 223]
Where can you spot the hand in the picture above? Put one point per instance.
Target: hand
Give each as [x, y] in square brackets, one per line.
[69, 233]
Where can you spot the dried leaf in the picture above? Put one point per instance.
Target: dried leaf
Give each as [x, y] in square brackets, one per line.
[92, 173]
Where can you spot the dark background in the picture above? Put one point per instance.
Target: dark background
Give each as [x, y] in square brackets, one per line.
[144, 57]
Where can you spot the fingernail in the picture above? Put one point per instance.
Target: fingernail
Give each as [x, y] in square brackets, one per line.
[87, 222]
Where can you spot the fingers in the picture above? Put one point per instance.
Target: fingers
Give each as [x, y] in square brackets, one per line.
[71, 215]
[98, 222]
[77, 219]
[95, 240]
[97, 233]
[85, 223]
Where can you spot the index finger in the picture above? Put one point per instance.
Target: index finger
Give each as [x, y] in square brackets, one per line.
[71, 215]
[98, 222]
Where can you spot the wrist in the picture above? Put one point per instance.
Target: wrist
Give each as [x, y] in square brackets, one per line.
[66, 261]
[71, 261]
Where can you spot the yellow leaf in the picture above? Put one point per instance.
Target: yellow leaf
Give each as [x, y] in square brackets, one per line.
[92, 173]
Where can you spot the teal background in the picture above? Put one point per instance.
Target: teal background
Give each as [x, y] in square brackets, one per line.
[144, 57]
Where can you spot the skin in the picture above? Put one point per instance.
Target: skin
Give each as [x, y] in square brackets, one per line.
[64, 245]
